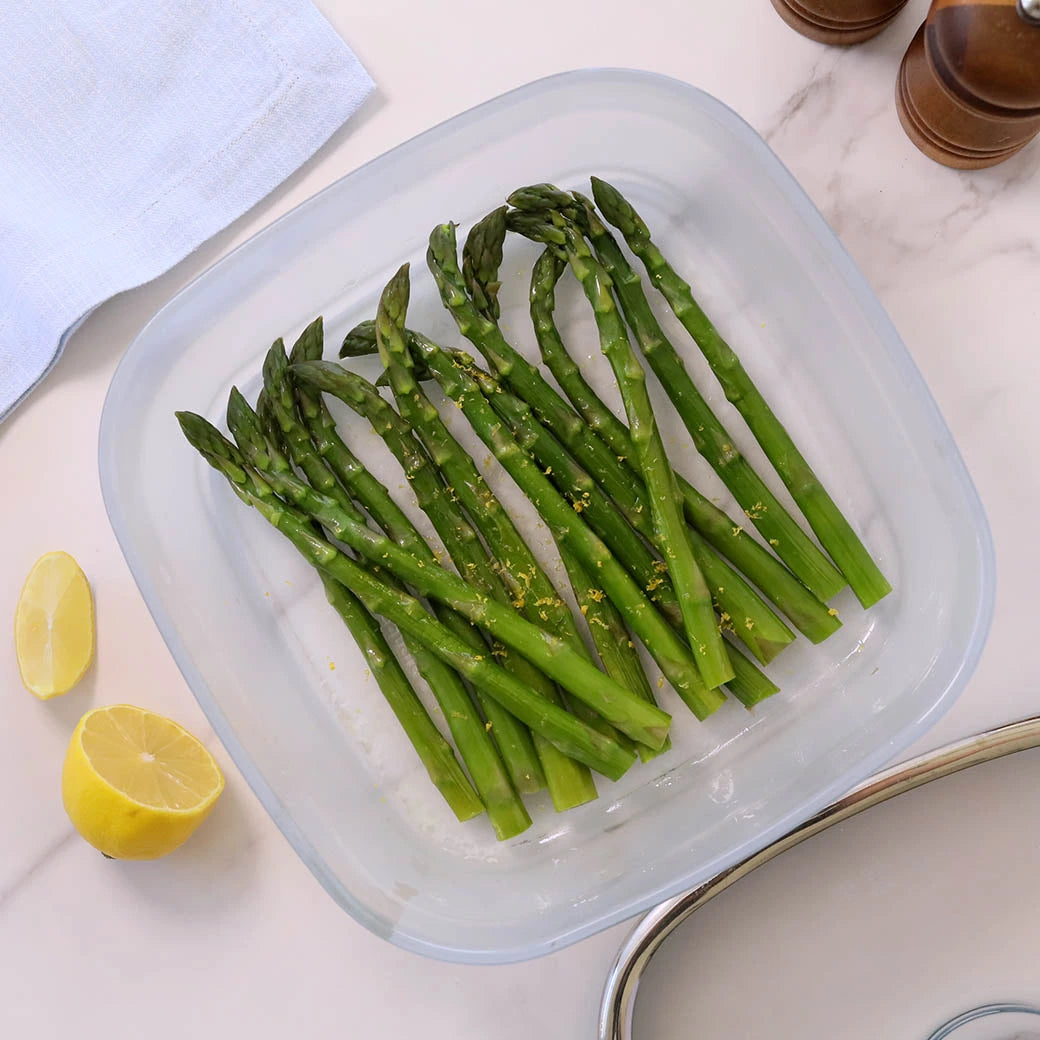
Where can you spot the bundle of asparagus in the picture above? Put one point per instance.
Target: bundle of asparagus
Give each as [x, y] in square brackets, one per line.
[648, 557]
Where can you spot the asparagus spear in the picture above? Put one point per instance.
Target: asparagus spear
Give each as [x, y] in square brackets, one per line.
[669, 527]
[505, 810]
[434, 751]
[481, 260]
[672, 655]
[749, 685]
[570, 783]
[708, 434]
[811, 617]
[808, 614]
[530, 589]
[640, 721]
[756, 625]
[511, 736]
[569, 734]
[612, 639]
[533, 592]
[825, 518]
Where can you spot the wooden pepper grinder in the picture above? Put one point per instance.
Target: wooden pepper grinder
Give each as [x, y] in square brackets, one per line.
[838, 21]
[968, 91]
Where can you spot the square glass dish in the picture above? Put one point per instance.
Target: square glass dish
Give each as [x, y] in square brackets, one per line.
[278, 675]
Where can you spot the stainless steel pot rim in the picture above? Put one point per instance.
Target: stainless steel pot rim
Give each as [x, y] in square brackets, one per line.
[617, 1006]
[982, 1012]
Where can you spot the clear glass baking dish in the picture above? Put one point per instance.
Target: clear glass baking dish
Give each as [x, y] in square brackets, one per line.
[277, 674]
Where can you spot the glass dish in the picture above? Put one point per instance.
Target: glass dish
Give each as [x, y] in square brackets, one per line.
[277, 674]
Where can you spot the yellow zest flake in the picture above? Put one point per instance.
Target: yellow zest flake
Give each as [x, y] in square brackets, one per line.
[597, 621]
[631, 645]
[660, 682]
[737, 530]
[500, 651]
[832, 612]
[487, 727]
[332, 666]
[548, 471]
[542, 614]
[584, 610]
[596, 595]
[660, 566]
[756, 512]
[518, 603]
[458, 404]
[545, 601]
[599, 563]
[654, 583]
[748, 623]
[621, 458]
[774, 541]
[479, 657]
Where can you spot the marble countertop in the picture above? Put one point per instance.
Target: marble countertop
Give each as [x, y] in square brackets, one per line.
[232, 936]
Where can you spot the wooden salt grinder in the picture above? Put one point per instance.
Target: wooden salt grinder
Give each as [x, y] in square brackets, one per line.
[968, 91]
[838, 21]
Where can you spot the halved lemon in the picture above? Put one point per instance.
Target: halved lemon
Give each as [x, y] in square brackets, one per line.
[54, 626]
[136, 784]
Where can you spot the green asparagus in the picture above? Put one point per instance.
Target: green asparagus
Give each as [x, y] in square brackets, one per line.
[739, 605]
[708, 434]
[811, 617]
[569, 734]
[674, 658]
[570, 783]
[611, 638]
[729, 539]
[825, 518]
[511, 736]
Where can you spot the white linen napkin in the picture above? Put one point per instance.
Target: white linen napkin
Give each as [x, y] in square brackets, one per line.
[131, 132]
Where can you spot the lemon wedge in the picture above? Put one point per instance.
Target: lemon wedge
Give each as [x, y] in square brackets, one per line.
[136, 784]
[54, 626]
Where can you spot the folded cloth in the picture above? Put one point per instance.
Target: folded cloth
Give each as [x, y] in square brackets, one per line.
[131, 132]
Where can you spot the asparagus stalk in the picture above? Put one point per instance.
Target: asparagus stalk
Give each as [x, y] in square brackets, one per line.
[569, 734]
[481, 260]
[709, 436]
[570, 783]
[811, 617]
[505, 810]
[756, 625]
[749, 685]
[669, 527]
[825, 518]
[806, 612]
[612, 639]
[263, 449]
[640, 721]
[511, 736]
[531, 591]
[434, 751]
[672, 655]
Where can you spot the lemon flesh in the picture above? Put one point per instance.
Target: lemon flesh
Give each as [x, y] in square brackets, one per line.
[54, 626]
[136, 784]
